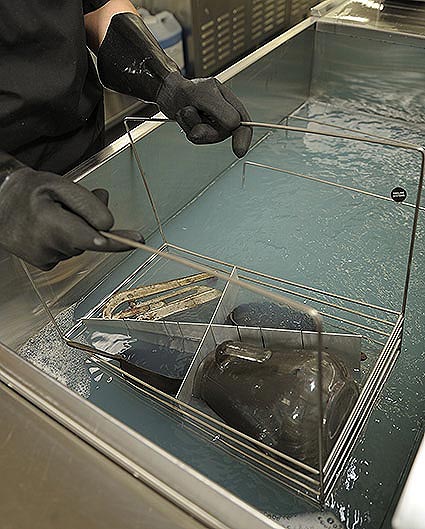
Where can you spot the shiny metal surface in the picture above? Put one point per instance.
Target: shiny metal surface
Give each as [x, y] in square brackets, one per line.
[391, 16]
[150, 465]
[218, 32]
[50, 478]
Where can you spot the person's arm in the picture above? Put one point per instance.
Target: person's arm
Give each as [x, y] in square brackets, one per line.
[130, 61]
[45, 218]
[97, 22]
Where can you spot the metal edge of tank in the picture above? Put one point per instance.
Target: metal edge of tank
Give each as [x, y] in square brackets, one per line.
[337, 17]
[36, 452]
[192, 492]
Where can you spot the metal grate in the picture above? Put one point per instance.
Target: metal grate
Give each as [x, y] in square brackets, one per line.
[267, 16]
[227, 34]
[222, 37]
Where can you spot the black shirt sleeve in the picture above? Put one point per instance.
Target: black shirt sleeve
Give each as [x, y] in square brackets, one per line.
[92, 5]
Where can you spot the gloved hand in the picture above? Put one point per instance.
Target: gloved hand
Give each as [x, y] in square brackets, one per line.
[207, 111]
[45, 218]
[131, 61]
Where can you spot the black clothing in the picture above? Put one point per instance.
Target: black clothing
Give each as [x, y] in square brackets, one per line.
[50, 96]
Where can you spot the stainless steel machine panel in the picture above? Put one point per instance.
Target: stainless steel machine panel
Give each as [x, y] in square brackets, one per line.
[217, 33]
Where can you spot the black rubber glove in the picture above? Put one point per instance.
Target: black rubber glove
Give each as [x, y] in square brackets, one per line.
[45, 218]
[206, 110]
[131, 61]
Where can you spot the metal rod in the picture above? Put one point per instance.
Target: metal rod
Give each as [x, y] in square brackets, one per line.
[414, 229]
[186, 380]
[353, 137]
[322, 181]
[366, 137]
[286, 281]
[339, 127]
[355, 324]
[142, 174]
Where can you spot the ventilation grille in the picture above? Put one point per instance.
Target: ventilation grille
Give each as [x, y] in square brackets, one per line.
[267, 17]
[300, 9]
[223, 37]
[227, 35]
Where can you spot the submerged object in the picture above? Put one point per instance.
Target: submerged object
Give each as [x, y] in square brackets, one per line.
[159, 365]
[136, 363]
[272, 396]
[270, 315]
[178, 298]
[165, 383]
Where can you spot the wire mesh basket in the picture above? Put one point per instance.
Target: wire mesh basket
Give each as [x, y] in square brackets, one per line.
[207, 307]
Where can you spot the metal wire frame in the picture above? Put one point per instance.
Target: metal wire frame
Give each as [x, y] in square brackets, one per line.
[317, 483]
[390, 351]
[296, 475]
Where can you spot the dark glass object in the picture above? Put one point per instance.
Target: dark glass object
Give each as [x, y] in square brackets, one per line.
[272, 396]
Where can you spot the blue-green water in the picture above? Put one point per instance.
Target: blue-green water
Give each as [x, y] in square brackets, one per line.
[329, 238]
[340, 241]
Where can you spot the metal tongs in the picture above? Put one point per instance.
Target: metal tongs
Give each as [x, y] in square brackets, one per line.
[182, 298]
